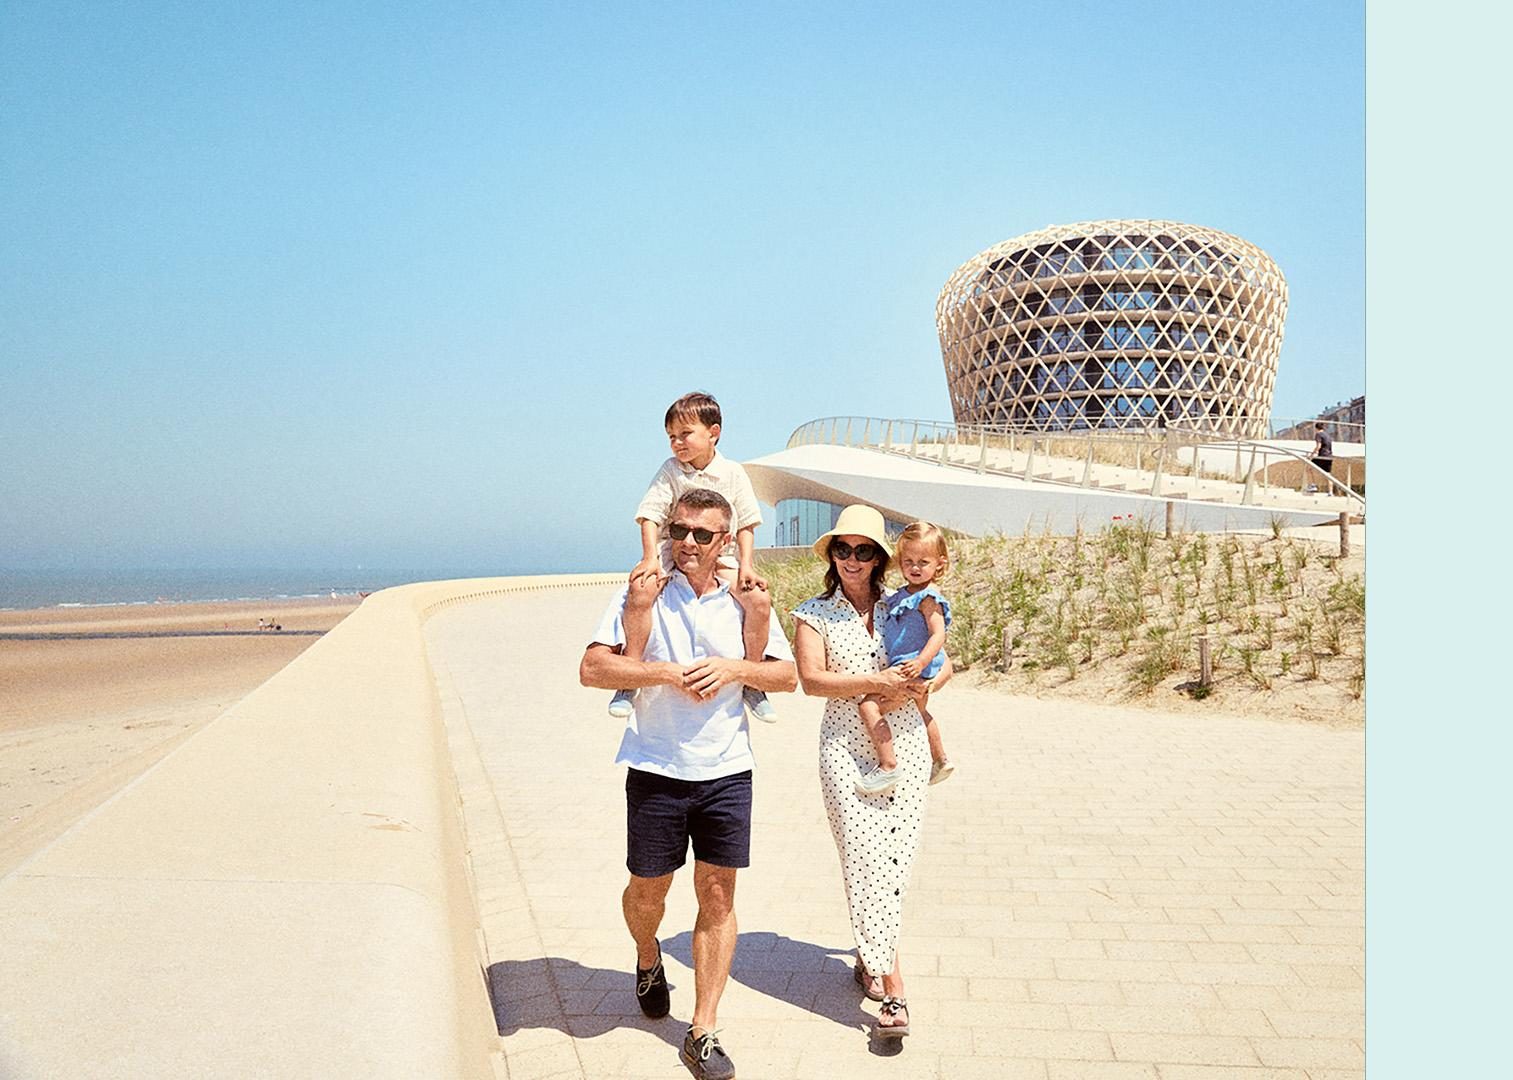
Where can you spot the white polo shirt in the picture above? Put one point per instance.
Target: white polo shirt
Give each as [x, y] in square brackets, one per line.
[671, 733]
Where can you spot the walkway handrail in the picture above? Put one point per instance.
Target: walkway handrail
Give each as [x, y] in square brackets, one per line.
[909, 436]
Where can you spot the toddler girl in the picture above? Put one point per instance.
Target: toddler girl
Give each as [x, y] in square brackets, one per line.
[913, 628]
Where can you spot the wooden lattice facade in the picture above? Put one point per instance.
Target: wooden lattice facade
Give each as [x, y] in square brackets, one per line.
[1124, 325]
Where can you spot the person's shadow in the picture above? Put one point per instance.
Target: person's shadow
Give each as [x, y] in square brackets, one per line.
[584, 1002]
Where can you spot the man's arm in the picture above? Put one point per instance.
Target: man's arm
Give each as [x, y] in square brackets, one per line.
[605, 668]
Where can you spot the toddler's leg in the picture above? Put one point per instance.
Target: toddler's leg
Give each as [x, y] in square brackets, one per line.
[882, 778]
[879, 732]
[932, 732]
[940, 765]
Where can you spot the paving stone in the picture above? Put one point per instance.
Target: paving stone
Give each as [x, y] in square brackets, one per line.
[1134, 896]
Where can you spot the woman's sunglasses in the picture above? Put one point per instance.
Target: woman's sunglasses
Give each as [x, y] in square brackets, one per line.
[840, 551]
[700, 536]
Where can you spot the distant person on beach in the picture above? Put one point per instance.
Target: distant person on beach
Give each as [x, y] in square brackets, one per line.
[1323, 449]
[693, 430]
[913, 626]
[688, 748]
[839, 645]
[1323, 452]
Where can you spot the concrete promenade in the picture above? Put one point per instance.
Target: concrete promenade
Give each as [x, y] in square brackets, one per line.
[1103, 893]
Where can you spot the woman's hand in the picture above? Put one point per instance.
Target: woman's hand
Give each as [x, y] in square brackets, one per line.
[890, 682]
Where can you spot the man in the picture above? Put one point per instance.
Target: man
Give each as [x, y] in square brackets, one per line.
[689, 752]
[1323, 449]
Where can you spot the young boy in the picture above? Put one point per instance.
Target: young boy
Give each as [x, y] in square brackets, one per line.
[693, 430]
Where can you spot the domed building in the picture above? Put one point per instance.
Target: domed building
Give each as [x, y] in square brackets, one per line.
[1120, 325]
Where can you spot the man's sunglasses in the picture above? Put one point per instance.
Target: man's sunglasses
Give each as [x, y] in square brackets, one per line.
[840, 551]
[700, 536]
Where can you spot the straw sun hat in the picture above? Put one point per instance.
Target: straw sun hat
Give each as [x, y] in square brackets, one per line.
[856, 520]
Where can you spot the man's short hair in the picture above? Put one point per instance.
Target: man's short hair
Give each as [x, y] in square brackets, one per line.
[1319, 426]
[704, 499]
[695, 406]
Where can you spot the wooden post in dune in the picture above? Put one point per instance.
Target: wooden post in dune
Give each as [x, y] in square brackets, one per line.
[1205, 663]
[1008, 648]
[1344, 534]
[1171, 516]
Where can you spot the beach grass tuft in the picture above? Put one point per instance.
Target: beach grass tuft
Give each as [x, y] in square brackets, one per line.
[1123, 607]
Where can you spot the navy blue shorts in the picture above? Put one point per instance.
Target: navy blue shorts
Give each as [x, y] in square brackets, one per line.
[662, 815]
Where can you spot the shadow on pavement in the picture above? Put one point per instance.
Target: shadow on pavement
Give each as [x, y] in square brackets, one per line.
[525, 994]
[586, 1002]
[806, 976]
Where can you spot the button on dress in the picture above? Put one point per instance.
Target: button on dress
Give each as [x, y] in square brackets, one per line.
[876, 836]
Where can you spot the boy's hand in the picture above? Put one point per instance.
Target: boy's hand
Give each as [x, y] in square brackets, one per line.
[749, 579]
[910, 669]
[645, 567]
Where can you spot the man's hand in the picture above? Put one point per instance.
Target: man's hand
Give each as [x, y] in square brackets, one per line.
[749, 579]
[705, 678]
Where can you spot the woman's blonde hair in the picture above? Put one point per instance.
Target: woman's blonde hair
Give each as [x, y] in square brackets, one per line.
[922, 532]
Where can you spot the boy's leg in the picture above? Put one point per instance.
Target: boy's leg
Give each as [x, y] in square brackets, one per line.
[756, 619]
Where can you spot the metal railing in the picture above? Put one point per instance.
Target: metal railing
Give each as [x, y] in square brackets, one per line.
[1175, 462]
[1283, 427]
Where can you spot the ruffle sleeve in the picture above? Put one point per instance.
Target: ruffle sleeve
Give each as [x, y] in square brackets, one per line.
[904, 600]
[814, 612]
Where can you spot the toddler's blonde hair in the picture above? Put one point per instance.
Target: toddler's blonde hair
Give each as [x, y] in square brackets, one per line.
[922, 532]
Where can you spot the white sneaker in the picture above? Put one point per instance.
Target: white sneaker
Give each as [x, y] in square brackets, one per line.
[940, 770]
[620, 706]
[878, 780]
[761, 707]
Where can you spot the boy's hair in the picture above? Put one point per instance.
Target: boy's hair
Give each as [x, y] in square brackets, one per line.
[922, 532]
[704, 499]
[695, 406]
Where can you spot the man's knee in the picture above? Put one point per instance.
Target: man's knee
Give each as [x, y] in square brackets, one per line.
[714, 887]
[647, 891]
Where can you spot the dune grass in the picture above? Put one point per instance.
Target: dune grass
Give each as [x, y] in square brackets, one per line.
[1128, 606]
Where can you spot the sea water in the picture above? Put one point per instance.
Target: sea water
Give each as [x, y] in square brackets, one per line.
[23, 589]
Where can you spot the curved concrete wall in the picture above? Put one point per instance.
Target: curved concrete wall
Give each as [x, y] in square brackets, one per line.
[284, 895]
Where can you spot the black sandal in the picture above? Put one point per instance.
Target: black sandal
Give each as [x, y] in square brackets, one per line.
[892, 1006]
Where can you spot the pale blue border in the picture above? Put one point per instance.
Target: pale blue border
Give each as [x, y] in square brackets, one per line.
[1438, 910]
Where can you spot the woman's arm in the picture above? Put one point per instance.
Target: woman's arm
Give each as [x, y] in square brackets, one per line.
[816, 681]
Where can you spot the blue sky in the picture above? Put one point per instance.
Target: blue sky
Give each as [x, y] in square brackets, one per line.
[396, 285]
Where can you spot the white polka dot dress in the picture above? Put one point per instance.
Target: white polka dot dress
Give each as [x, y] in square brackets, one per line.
[875, 835]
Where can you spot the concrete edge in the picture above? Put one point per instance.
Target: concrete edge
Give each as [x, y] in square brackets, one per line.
[335, 772]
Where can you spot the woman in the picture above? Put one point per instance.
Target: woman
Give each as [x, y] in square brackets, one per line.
[840, 656]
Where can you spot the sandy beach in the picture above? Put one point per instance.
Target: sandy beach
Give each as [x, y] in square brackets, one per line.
[81, 716]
